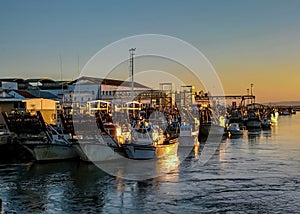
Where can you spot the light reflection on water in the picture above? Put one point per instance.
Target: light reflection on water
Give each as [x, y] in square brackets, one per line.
[258, 172]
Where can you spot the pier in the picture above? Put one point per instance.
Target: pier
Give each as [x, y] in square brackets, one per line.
[297, 108]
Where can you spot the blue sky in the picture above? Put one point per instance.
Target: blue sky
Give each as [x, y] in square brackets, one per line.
[250, 41]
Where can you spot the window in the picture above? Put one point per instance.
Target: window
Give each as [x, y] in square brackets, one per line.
[15, 105]
[54, 116]
[19, 105]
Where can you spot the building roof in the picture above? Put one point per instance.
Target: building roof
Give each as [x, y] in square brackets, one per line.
[18, 80]
[95, 80]
[24, 94]
[41, 80]
[3, 100]
[43, 94]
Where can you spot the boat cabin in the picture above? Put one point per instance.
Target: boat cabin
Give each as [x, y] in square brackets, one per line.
[48, 108]
[185, 131]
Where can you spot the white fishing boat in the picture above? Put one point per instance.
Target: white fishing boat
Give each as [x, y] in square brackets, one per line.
[95, 139]
[285, 112]
[42, 151]
[145, 144]
[52, 147]
[187, 137]
[234, 129]
[44, 142]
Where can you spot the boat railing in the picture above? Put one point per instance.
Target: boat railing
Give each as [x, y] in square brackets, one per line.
[141, 136]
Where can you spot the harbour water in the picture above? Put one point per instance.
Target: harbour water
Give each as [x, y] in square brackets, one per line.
[256, 173]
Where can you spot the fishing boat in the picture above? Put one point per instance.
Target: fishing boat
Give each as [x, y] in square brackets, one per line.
[99, 146]
[187, 138]
[45, 142]
[150, 144]
[292, 110]
[285, 112]
[52, 146]
[252, 120]
[188, 127]
[274, 116]
[234, 129]
[236, 116]
[211, 125]
[266, 123]
[94, 136]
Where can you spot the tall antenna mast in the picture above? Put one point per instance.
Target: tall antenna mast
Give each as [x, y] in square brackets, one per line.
[61, 77]
[131, 68]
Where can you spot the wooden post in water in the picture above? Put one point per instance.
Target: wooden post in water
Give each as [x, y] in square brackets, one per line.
[0, 205]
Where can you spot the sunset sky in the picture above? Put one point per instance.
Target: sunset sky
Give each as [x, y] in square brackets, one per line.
[246, 41]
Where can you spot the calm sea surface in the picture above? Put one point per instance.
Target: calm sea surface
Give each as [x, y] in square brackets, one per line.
[257, 173]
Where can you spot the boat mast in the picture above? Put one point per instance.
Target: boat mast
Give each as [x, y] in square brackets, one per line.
[251, 85]
[131, 68]
[61, 77]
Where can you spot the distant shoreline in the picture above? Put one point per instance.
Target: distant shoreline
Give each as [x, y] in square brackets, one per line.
[284, 103]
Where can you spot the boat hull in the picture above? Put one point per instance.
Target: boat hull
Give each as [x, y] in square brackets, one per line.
[187, 141]
[234, 129]
[51, 152]
[266, 125]
[4, 139]
[253, 124]
[96, 152]
[235, 132]
[136, 151]
[212, 130]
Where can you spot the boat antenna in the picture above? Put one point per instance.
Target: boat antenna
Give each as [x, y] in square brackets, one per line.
[78, 70]
[61, 70]
[251, 85]
[131, 68]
